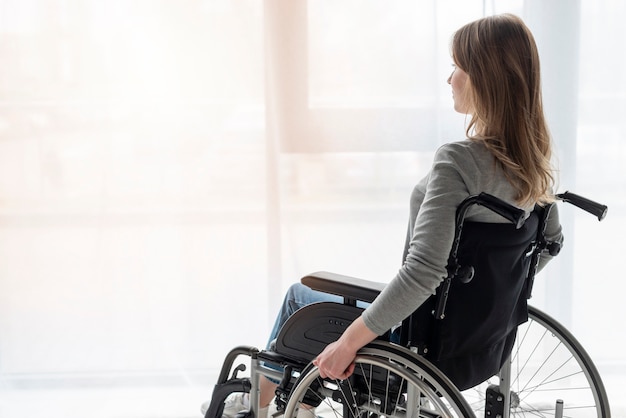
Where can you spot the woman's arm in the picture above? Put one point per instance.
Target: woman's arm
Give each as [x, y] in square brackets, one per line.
[423, 270]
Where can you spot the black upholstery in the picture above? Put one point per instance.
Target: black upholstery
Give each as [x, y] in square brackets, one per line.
[475, 337]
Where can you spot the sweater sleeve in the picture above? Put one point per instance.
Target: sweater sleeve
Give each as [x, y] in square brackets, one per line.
[425, 265]
[553, 233]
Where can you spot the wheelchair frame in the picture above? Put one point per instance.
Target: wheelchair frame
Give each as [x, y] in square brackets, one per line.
[401, 383]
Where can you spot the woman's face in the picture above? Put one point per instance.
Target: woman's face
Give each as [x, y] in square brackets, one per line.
[457, 81]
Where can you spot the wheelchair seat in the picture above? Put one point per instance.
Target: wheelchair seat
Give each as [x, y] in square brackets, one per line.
[473, 339]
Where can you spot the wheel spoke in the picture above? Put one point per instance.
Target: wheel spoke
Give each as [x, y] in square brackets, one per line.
[393, 387]
[547, 364]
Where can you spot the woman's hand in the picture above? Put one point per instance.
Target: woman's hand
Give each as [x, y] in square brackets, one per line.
[337, 359]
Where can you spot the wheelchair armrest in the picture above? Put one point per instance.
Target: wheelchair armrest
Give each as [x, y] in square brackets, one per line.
[350, 288]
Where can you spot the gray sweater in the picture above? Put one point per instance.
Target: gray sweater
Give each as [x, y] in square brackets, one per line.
[459, 170]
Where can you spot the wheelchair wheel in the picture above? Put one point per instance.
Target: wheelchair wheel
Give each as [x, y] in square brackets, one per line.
[548, 365]
[388, 381]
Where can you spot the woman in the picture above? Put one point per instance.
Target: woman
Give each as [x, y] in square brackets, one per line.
[496, 80]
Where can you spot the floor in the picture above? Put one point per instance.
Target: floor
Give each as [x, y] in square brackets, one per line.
[144, 402]
[179, 401]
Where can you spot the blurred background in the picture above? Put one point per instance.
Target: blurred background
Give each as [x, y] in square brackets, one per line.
[169, 167]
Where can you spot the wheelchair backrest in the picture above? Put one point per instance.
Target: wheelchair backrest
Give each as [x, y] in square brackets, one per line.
[475, 336]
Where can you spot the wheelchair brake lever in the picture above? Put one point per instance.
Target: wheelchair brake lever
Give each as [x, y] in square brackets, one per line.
[239, 368]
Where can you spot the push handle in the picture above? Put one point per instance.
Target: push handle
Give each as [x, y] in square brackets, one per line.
[590, 206]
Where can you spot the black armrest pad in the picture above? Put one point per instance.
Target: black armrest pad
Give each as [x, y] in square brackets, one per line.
[346, 286]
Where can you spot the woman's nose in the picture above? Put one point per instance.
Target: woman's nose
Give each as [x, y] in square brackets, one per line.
[449, 80]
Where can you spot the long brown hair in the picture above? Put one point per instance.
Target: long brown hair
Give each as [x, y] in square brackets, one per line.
[500, 56]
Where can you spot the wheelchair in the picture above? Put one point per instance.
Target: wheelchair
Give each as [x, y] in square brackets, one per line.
[475, 348]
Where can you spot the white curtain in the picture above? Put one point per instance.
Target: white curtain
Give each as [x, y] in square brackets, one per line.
[168, 168]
